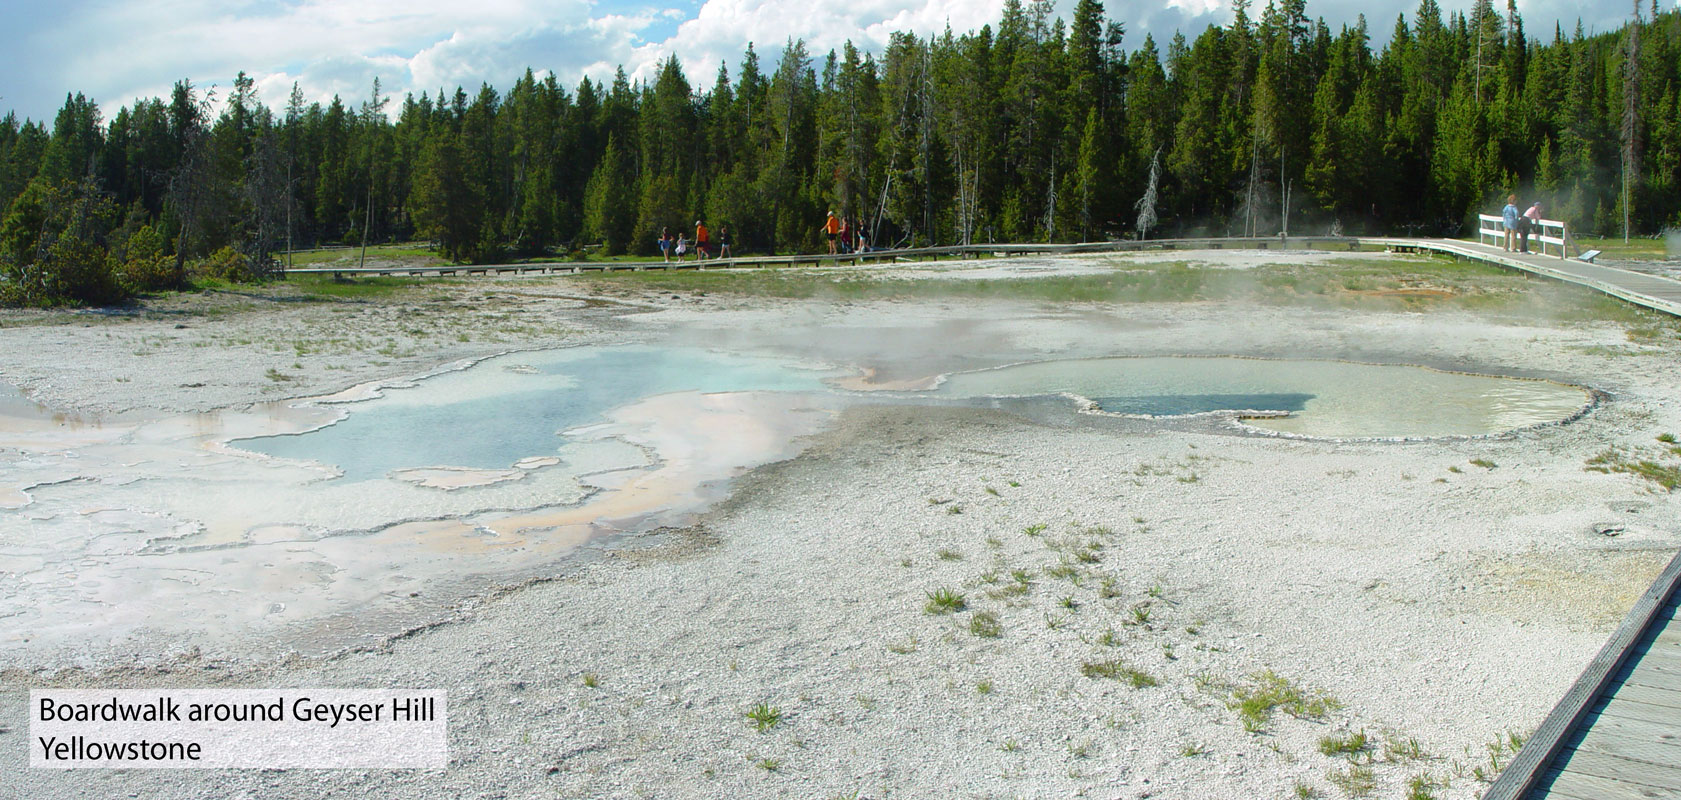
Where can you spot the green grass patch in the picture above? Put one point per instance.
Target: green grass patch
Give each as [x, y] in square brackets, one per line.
[326, 287]
[1424, 787]
[1353, 282]
[1356, 780]
[1641, 248]
[985, 624]
[350, 256]
[763, 716]
[1267, 693]
[944, 601]
[1116, 669]
[1348, 745]
[1613, 460]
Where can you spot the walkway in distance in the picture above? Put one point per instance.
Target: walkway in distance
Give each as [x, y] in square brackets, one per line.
[1650, 291]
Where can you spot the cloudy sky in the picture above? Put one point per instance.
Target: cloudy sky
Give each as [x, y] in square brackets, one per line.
[118, 50]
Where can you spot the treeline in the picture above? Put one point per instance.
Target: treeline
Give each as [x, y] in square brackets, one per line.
[1034, 130]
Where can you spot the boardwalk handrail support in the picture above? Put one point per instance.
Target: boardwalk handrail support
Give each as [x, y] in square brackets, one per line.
[1495, 227]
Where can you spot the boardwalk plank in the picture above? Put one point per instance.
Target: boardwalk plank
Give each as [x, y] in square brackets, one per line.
[1653, 677]
[1579, 786]
[1632, 709]
[1665, 668]
[1615, 742]
[1626, 770]
[1668, 698]
[1635, 729]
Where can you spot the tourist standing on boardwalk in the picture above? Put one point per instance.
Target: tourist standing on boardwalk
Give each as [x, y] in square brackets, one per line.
[846, 236]
[1509, 219]
[723, 241]
[1530, 220]
[831, 229]
[681, 248]
[703, 240]
[665, 244]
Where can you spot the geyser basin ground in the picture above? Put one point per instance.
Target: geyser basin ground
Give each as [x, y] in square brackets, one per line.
[382, 505]
[147, 538]
[1445, 591]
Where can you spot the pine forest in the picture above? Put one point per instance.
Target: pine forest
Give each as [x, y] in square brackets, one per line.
[1030, 130]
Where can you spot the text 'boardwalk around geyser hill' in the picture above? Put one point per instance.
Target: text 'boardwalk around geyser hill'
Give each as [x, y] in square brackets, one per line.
[238, 728]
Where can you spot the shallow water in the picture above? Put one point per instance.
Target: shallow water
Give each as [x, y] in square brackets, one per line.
[1331, 399]
[518, 406]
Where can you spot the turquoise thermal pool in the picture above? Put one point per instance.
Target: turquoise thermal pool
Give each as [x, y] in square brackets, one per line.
[514, 407]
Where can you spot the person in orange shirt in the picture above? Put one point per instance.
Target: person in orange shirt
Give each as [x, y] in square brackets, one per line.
[831, 229]
[702, 241]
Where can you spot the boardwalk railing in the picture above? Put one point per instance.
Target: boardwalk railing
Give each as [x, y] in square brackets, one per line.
[1495, 228]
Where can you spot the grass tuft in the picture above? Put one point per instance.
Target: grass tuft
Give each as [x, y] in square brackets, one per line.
[1357, 780]
[985, 624]
[1349, 745]
[1398, 749]
[944, 601]
[1423, 787]
[763, 716]
[1116, 669]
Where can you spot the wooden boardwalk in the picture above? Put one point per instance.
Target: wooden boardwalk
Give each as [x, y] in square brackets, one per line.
[1650, 291]
[1616, 735]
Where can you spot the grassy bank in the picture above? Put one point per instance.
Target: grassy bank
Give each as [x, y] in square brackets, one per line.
[1420, 283]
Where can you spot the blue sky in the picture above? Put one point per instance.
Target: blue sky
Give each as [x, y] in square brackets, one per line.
[118, 50]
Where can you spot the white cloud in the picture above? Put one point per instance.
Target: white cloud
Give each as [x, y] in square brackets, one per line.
[117, 50]
[1195, 8]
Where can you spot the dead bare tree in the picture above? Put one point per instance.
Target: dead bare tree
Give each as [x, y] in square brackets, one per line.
[1146, 205]
[1631, 119]
[268, 192]
[189, 182]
